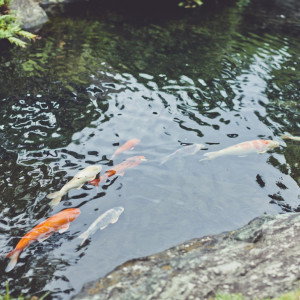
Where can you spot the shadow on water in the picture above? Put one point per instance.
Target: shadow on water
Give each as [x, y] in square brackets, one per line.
[217, 75]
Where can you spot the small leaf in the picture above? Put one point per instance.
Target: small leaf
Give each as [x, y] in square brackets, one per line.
[17, 41]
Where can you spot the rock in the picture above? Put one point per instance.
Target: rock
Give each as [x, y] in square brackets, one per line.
[29, 13]
[258, 260]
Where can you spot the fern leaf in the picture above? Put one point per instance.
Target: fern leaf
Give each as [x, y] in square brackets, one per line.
[17, 41]
[27, 34]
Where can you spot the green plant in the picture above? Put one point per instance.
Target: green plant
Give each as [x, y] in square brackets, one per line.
[21, 297]
[190, 3]
[10, 28]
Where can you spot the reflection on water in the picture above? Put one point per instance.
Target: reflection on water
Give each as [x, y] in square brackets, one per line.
[208, 76]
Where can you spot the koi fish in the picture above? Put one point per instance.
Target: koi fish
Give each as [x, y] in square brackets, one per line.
[187, 150]
[109, 217]
[59, 222]
[129, 145]
[242, 149]
[83, 176]
[120, 168]
[290, 137]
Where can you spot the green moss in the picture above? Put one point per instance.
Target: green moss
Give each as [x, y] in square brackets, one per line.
[288, 296]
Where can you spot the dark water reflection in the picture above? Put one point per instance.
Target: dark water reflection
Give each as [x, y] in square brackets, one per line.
[214, 75]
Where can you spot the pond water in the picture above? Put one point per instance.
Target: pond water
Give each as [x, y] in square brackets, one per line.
[100, 76]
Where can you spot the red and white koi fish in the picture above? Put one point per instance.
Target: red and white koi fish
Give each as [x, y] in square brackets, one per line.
[187, 150]
[242, 149]
[83, 176]
[59, 222]
[290, 137]
[120, 168]
[129, 145]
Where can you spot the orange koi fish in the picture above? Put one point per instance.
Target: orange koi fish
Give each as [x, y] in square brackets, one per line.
[59, 222]
[120, 168]
[129, 145]
[242, 149]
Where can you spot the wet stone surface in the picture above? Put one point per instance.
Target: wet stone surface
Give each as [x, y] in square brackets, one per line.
[259, 260]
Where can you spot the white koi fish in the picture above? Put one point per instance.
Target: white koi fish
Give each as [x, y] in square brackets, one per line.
[87, 174]
[290, 137]
[242, 149]
[187, 150]
[111, 216]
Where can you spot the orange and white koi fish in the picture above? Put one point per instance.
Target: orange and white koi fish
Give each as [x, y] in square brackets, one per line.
[59, 222]
[290, 137]
[83, 176]
[242, 149]
[129, 145]
[187, 150]
[120, 168]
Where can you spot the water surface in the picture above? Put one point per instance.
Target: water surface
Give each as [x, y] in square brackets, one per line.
[99, 77]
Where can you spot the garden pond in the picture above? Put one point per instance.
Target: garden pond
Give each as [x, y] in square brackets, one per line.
[99, 76]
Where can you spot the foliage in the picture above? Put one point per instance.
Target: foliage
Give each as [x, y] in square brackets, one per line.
[10, 28]
[8, 297]
[190, 3]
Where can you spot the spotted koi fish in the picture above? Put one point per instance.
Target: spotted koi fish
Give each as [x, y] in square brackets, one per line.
[120, 168]
[242, 149]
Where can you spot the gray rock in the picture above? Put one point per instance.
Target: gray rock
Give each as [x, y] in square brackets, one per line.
[29, 13]
[57, 2]
[259, 260]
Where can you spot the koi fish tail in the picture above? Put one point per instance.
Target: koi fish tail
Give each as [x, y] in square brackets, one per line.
[165, 159]
[56, 196]
[209, 156]
[285, 137]
[84, 236]
[13, 259]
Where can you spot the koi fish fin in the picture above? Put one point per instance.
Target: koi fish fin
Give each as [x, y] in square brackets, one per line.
[110, 173]
[209, 156]
[285, 137]
[261, 152]
[53, 195]
[84, 236]
[113, 221]
[13, 259]
[80, 187]
[95, 182]
[103, 227]
[44, 238]
[56, 200]
[64, 228]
